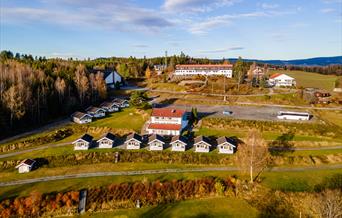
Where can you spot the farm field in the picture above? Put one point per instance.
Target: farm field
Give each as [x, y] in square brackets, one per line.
[208, 207]
[308, 79]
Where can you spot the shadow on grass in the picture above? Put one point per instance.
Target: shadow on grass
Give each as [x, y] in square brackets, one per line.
[283, 144]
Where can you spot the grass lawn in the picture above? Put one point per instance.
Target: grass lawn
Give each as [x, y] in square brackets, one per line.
[128, 119]
[307, 79]
[167, 87]
[333, 117]
[208, 207]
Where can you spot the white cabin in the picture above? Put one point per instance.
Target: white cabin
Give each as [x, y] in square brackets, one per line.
[133, 141]
[96, 112]
[178, 143]
[279, 79]
[156, 143]
[106, 141]
[202, 144]
[83, 143]
[226, 145]
[25, 166]
[81, 118]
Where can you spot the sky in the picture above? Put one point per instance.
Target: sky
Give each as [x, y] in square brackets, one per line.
[261, 29]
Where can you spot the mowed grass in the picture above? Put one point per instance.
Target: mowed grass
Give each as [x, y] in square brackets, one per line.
[290, 181]
[308, 79]
[208, 207]
[128, 118]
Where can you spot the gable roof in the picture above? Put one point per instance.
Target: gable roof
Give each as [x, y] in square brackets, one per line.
[79, 115]
[224, 139]
[165, 126]
[167, 112]
[134, 136]
[202, 139]
[107, 104]
[280, 75]
[119, 100]
[109, 136]
[85, 137]
[156, 137]
[179, 138]
[93, 109]
[28, 162]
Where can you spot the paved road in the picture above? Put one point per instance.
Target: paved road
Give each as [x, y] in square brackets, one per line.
[160, 171]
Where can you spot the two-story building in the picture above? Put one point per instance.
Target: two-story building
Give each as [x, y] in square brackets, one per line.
[167, 121]
[204, 70]
[280, 79]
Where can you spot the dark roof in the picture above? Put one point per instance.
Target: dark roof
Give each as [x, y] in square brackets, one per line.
[87, 138]
[155, 137]
[179, 138]
[201, 138]
[134, 136]
[93, 109]
[224, 139]
[28, 161]
[79, 114]
[109, 136]
[118, 100]
[106, 104]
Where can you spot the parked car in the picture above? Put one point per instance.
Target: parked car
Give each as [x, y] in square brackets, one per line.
[227, 112]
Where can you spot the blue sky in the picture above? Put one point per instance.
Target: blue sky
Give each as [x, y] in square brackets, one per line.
[263, 29]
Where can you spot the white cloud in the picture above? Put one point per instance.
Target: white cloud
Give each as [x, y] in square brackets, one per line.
[327, 10]
[269, 6]
[221, 50]
[190, 6]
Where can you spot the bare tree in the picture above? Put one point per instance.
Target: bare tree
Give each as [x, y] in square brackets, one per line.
[253, 156]
[60, 87]
[82, 82]
[14, 102]
[101, 85]
[328, 204]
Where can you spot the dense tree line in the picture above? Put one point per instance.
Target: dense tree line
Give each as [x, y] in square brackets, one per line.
[334, 69]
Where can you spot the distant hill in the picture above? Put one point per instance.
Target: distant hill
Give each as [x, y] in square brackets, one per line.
[318, 61]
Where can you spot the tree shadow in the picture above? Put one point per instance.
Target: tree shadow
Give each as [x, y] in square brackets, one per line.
[283, 144]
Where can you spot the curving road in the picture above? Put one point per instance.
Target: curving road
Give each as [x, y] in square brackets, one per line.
[160, 171]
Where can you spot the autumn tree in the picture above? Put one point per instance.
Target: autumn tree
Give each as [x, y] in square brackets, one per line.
[148, 73]
[328, 204]
[81, 82]
[253, 156]
[101, 85]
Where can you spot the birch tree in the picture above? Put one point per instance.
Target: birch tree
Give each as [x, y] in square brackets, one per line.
[253, 156]
[15, 103]
[81, 82]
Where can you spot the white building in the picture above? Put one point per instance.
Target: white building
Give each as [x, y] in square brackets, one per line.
[167, 121]
[133, 141]
[106, 141]
[81, 118]
[122, 103]
[96, 112]
[204, 70]
[178, 143]
[156, 142]
[280, 79]
[111, 77]
[202, 144]
[226, 145]
[25, 166]
[83, 143]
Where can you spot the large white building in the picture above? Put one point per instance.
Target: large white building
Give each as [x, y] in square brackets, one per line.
[204, 70]
[167, 121]
[280, 79]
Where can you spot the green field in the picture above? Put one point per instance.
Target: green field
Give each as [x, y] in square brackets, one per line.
[129, 119]
[308, 79]
[209, 207]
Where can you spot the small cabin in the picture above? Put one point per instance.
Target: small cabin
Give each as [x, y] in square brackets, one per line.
[25, 166]
[123, 103]
[178, 143]
[226, 145]
[133, 141]
[83, 143]
[96, 112]
[156, 142]
[109, 106]
[106, 141]
[202, 144]
[81, 118]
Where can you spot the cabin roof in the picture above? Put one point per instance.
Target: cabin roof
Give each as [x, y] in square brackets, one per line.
[156, 137]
